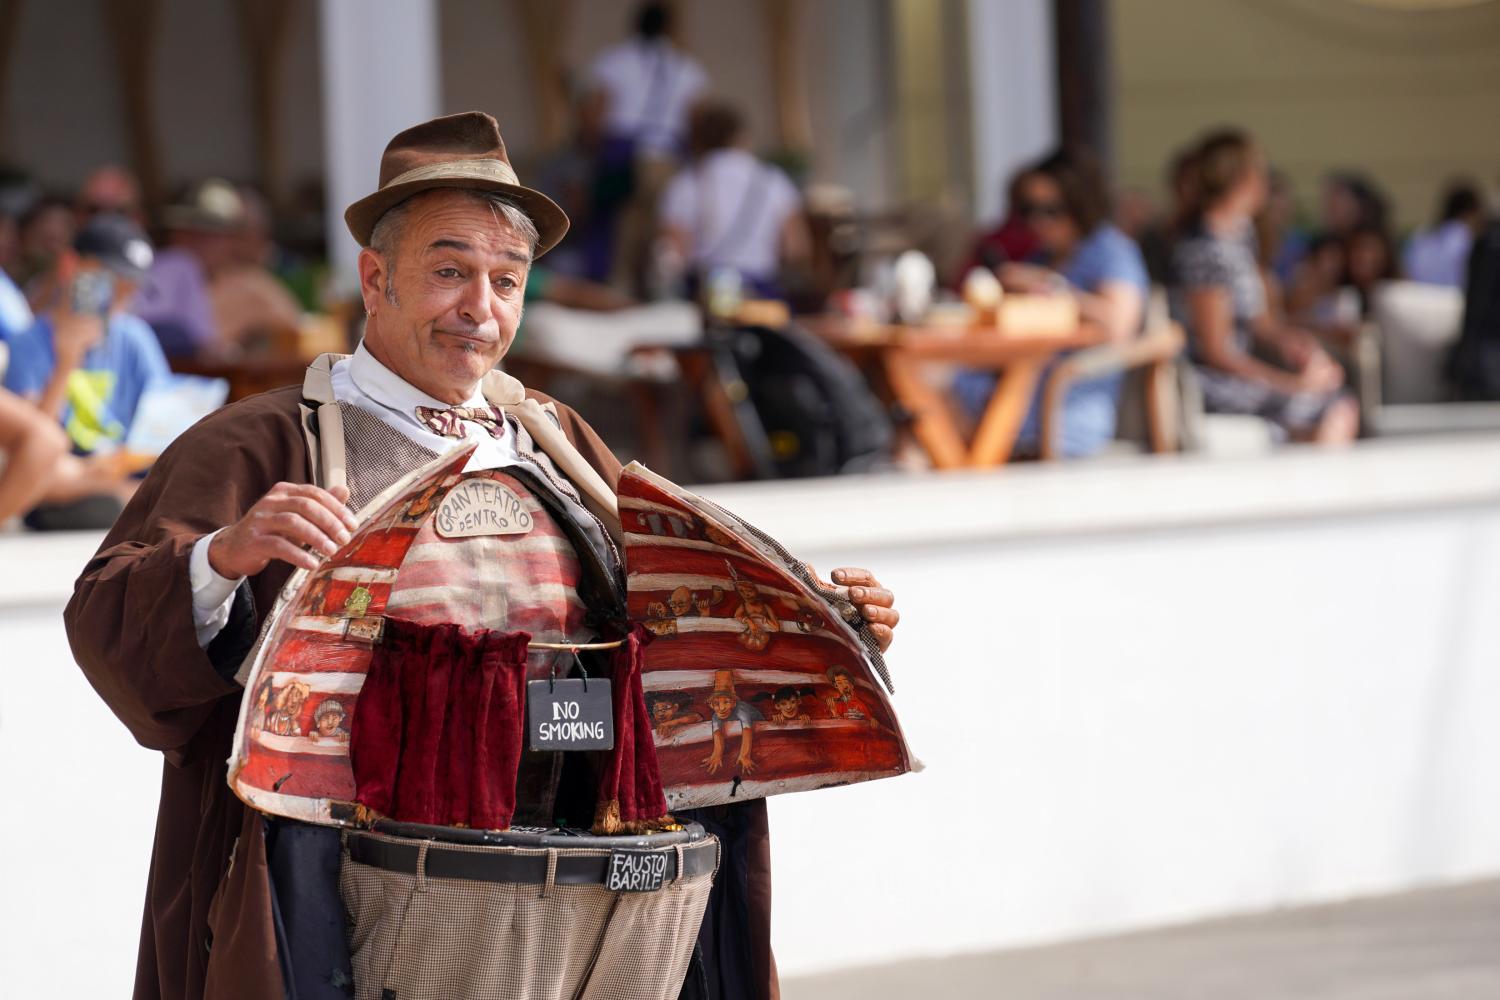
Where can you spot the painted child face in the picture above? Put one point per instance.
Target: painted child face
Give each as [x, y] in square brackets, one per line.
[329, 722]
[844, 684]
[789, 706]
[746, 590]
[721, 705]
[681, 601]
[661, 711]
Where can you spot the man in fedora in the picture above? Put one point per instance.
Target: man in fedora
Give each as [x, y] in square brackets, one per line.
[167, 609]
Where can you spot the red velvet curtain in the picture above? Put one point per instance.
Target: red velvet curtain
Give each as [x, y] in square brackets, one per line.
[630, 793]
[437, 732]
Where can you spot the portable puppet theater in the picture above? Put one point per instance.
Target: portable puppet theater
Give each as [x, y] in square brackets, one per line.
[378, 701]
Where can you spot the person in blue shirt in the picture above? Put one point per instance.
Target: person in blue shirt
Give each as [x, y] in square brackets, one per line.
[1062, 199]
[86, 362]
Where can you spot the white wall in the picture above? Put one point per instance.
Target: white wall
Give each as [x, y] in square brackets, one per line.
[1144, 693]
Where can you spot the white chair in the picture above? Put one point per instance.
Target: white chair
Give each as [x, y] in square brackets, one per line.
[1416, 326]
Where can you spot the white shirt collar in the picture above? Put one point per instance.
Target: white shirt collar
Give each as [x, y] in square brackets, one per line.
[391, 390]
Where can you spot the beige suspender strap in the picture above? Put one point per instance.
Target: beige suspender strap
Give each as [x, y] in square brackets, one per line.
[569, 461]
[331, 468]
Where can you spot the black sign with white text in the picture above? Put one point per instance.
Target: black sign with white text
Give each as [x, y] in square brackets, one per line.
[636, 871]
[566, 715]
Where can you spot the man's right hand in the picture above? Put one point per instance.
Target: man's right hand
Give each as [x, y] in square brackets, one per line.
[291, 522]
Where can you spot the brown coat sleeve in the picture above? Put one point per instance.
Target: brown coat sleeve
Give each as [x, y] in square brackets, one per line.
[130, 621]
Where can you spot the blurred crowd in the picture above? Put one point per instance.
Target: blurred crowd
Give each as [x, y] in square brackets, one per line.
[677, 224]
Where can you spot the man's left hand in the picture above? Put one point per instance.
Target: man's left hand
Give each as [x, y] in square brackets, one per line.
[875, 603]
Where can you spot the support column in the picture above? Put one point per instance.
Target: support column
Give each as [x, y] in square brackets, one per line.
[263, 34]
[132, 29]
[1013, 93]
[787, 23]
[380, 75]
[1084, 74]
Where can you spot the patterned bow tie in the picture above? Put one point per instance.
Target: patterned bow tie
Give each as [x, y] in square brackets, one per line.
[449, 422]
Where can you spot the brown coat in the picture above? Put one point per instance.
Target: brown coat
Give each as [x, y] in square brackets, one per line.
[207, 928]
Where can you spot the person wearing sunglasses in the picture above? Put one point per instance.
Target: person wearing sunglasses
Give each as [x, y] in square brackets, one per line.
[1063, 202]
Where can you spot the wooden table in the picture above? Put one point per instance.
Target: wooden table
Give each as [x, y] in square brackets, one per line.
[892, 356]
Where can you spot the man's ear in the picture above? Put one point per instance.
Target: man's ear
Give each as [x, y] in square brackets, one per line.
[372, 278]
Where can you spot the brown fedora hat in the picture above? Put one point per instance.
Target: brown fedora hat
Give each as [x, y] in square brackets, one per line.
[456, 151]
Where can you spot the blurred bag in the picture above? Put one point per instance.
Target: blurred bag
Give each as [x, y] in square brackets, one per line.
[808, 408]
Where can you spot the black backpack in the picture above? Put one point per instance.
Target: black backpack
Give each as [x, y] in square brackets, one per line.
[1474, 366]
[805, 409]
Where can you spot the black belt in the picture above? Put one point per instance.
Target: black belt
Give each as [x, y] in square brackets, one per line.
[504, 865]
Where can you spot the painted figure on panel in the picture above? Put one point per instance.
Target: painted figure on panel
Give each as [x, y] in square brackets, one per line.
[260, 708]
[422, 504]
[726, 706]
[787, 704]
[283, 720]
[845, 702]
[358, 602]
[659, 619]
[754, 614]
[669, 711]
[706, 600]
[329, 719]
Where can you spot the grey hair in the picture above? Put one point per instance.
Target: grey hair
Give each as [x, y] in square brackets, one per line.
[389, 227]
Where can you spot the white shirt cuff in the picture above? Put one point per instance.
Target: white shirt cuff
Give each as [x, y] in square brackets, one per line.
[213, 595]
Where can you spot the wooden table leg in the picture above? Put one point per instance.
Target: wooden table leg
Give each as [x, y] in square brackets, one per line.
[932, 422]
[697, 366]
[1001, 423]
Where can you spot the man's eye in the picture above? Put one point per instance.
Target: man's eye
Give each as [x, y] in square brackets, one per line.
[447, 272]
[505, 281]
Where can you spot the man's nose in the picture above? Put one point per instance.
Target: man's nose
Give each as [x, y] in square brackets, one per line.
[474, 306]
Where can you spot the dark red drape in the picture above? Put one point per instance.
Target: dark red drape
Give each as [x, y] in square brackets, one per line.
[630, 793]
[436, 736]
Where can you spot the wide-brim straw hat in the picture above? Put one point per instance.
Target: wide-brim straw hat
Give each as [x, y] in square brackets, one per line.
[456, 151]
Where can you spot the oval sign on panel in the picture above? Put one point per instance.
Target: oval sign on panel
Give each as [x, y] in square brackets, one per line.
[481, 507]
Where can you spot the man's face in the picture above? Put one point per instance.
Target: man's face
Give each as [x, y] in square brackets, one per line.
[721, 705]
[844, 684]
[458, 278]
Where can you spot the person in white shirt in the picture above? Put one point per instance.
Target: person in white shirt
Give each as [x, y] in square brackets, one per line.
[642, 91]
[1440, 255]
[647, 87]
[728, 209]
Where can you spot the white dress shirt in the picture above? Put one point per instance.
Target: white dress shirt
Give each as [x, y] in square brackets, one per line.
[360, 381]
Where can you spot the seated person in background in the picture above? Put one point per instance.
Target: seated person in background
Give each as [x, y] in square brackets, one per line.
[47, 231]
[1013, 239]
[31, 450]
[202, 233]
[86, 362]
[248, 300]
[1220, 298]
[728, 210]
[1081, 254]
[111, 189]
[15, 311]
[1440, 255]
